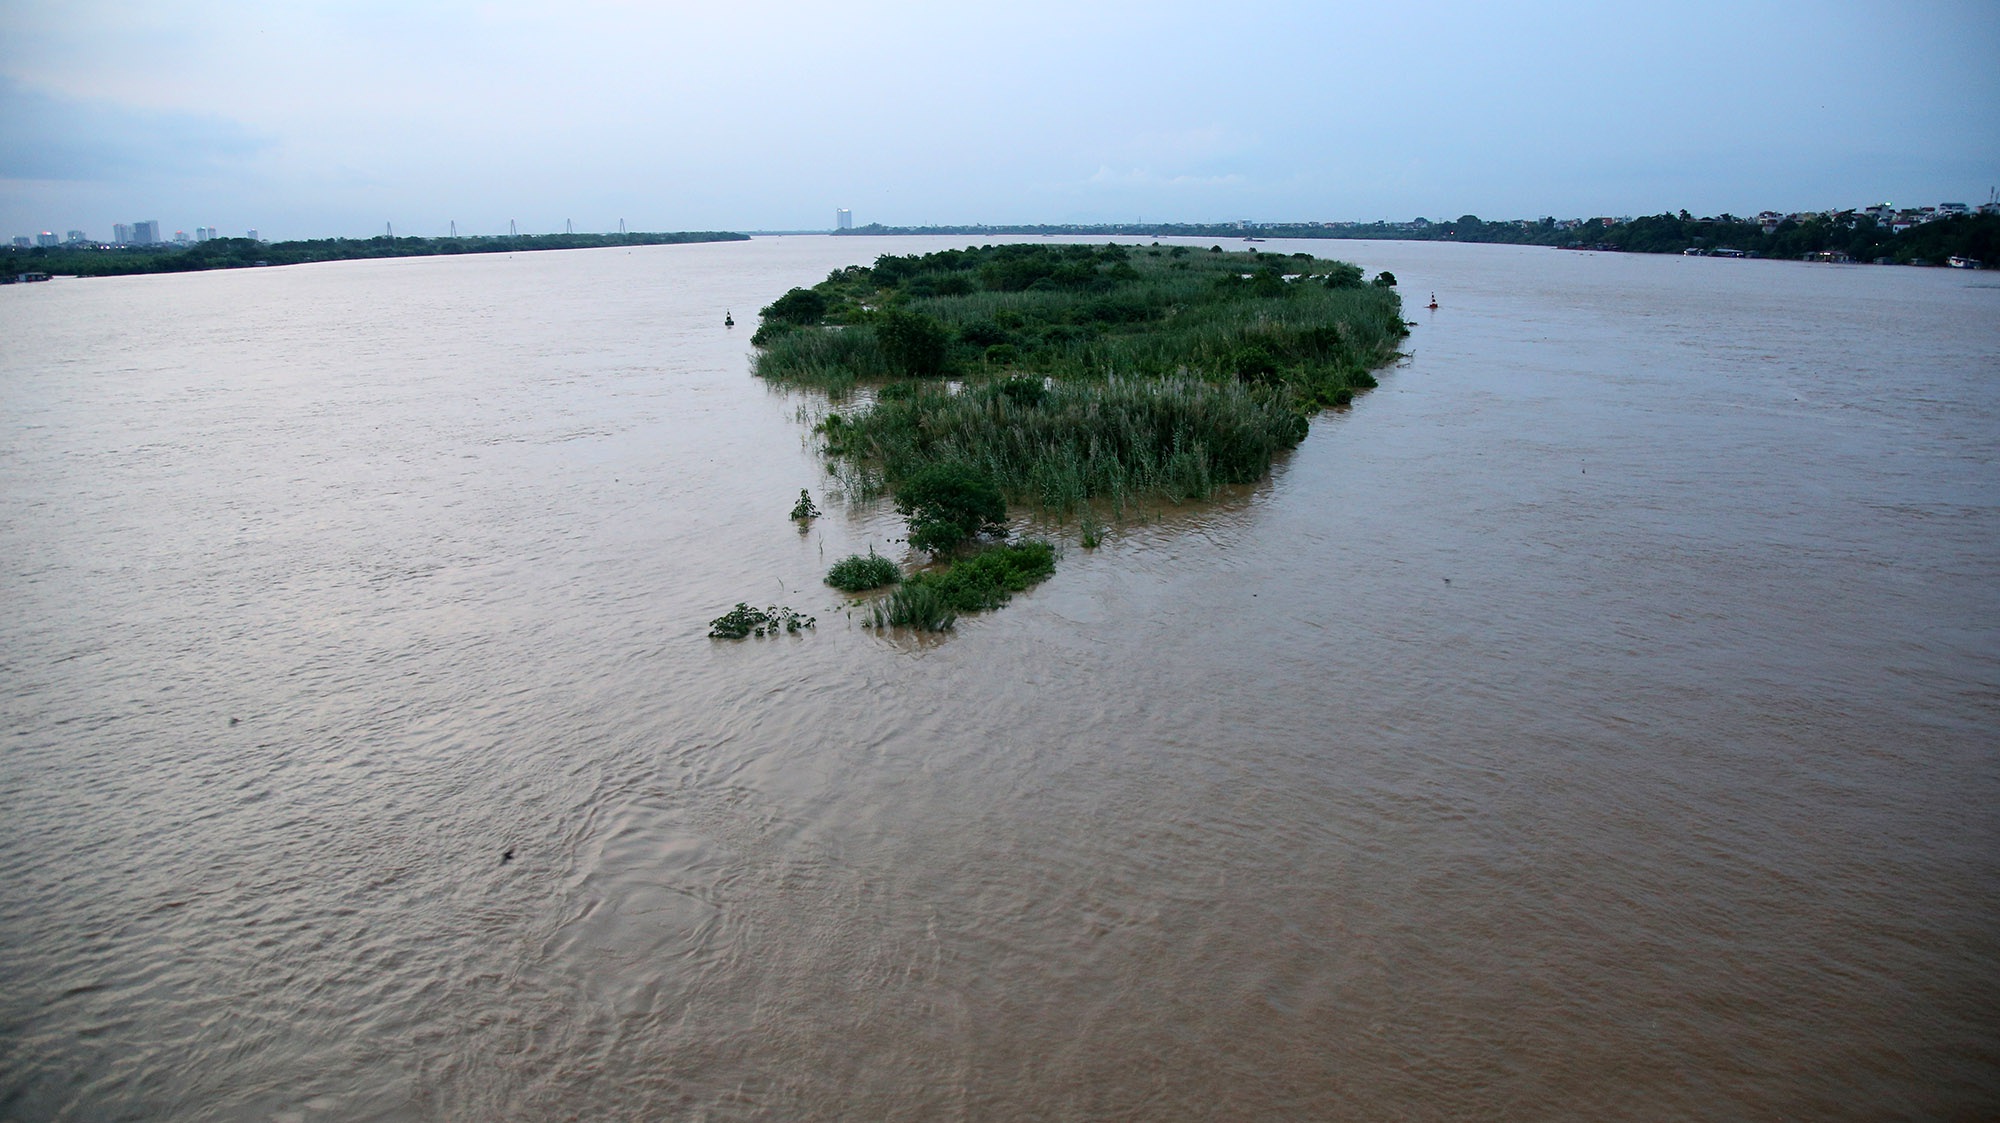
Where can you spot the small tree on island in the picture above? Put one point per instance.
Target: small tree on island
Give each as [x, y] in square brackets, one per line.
[949, 504]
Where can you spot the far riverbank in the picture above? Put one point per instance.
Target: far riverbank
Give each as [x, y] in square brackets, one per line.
[241, 253]
[1846, 235]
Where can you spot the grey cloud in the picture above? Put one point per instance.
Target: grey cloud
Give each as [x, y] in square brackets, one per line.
[45, 136]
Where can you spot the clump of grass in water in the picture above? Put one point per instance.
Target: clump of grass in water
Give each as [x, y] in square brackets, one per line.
[919, 606]
[804, 509]
[932, 601]
[1090, 531]
[855, 573]
[743, 621]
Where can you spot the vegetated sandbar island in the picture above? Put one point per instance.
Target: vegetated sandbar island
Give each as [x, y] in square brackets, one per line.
[1074, 379]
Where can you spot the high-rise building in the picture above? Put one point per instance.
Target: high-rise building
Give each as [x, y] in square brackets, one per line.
[203, 233]
[23, 242]
[146, 233]
[121, 233]
[252, 235]
[47, 238]
[843, 219]
[76, 237]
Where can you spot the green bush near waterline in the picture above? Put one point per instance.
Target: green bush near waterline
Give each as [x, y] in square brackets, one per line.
[932, 601]
[743, 621]
[990, 578]
[857, 573]
[948, 504]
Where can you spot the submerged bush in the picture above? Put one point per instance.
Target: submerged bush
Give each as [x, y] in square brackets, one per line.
[855, 573]
[948, 504]
[932, 601]
[991, 577]
[744, 621]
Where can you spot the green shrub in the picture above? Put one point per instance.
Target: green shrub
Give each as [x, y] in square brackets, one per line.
[989, 578]
[1253, 363]
[856, 573]
[933, 601]
[1344, 276]
[744, 621]
[799, 306]
[913, 343]
[983, 333]
[948, 504]
[1023, 393]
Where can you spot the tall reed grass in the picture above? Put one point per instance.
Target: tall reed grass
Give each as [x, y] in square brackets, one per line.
[1117, 438]
[1075, 373]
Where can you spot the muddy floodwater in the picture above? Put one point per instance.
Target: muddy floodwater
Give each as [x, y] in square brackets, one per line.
[1600, 720]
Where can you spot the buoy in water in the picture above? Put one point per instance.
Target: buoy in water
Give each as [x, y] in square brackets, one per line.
[729, 321]
[1434, 300]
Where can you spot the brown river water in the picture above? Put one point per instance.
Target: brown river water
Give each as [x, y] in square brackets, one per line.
[1601, 720]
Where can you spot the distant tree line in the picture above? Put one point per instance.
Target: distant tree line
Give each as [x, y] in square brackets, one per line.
[239, 253]
[1858, 236]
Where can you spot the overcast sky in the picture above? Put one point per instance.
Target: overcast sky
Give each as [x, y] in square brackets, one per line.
[310, 119]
